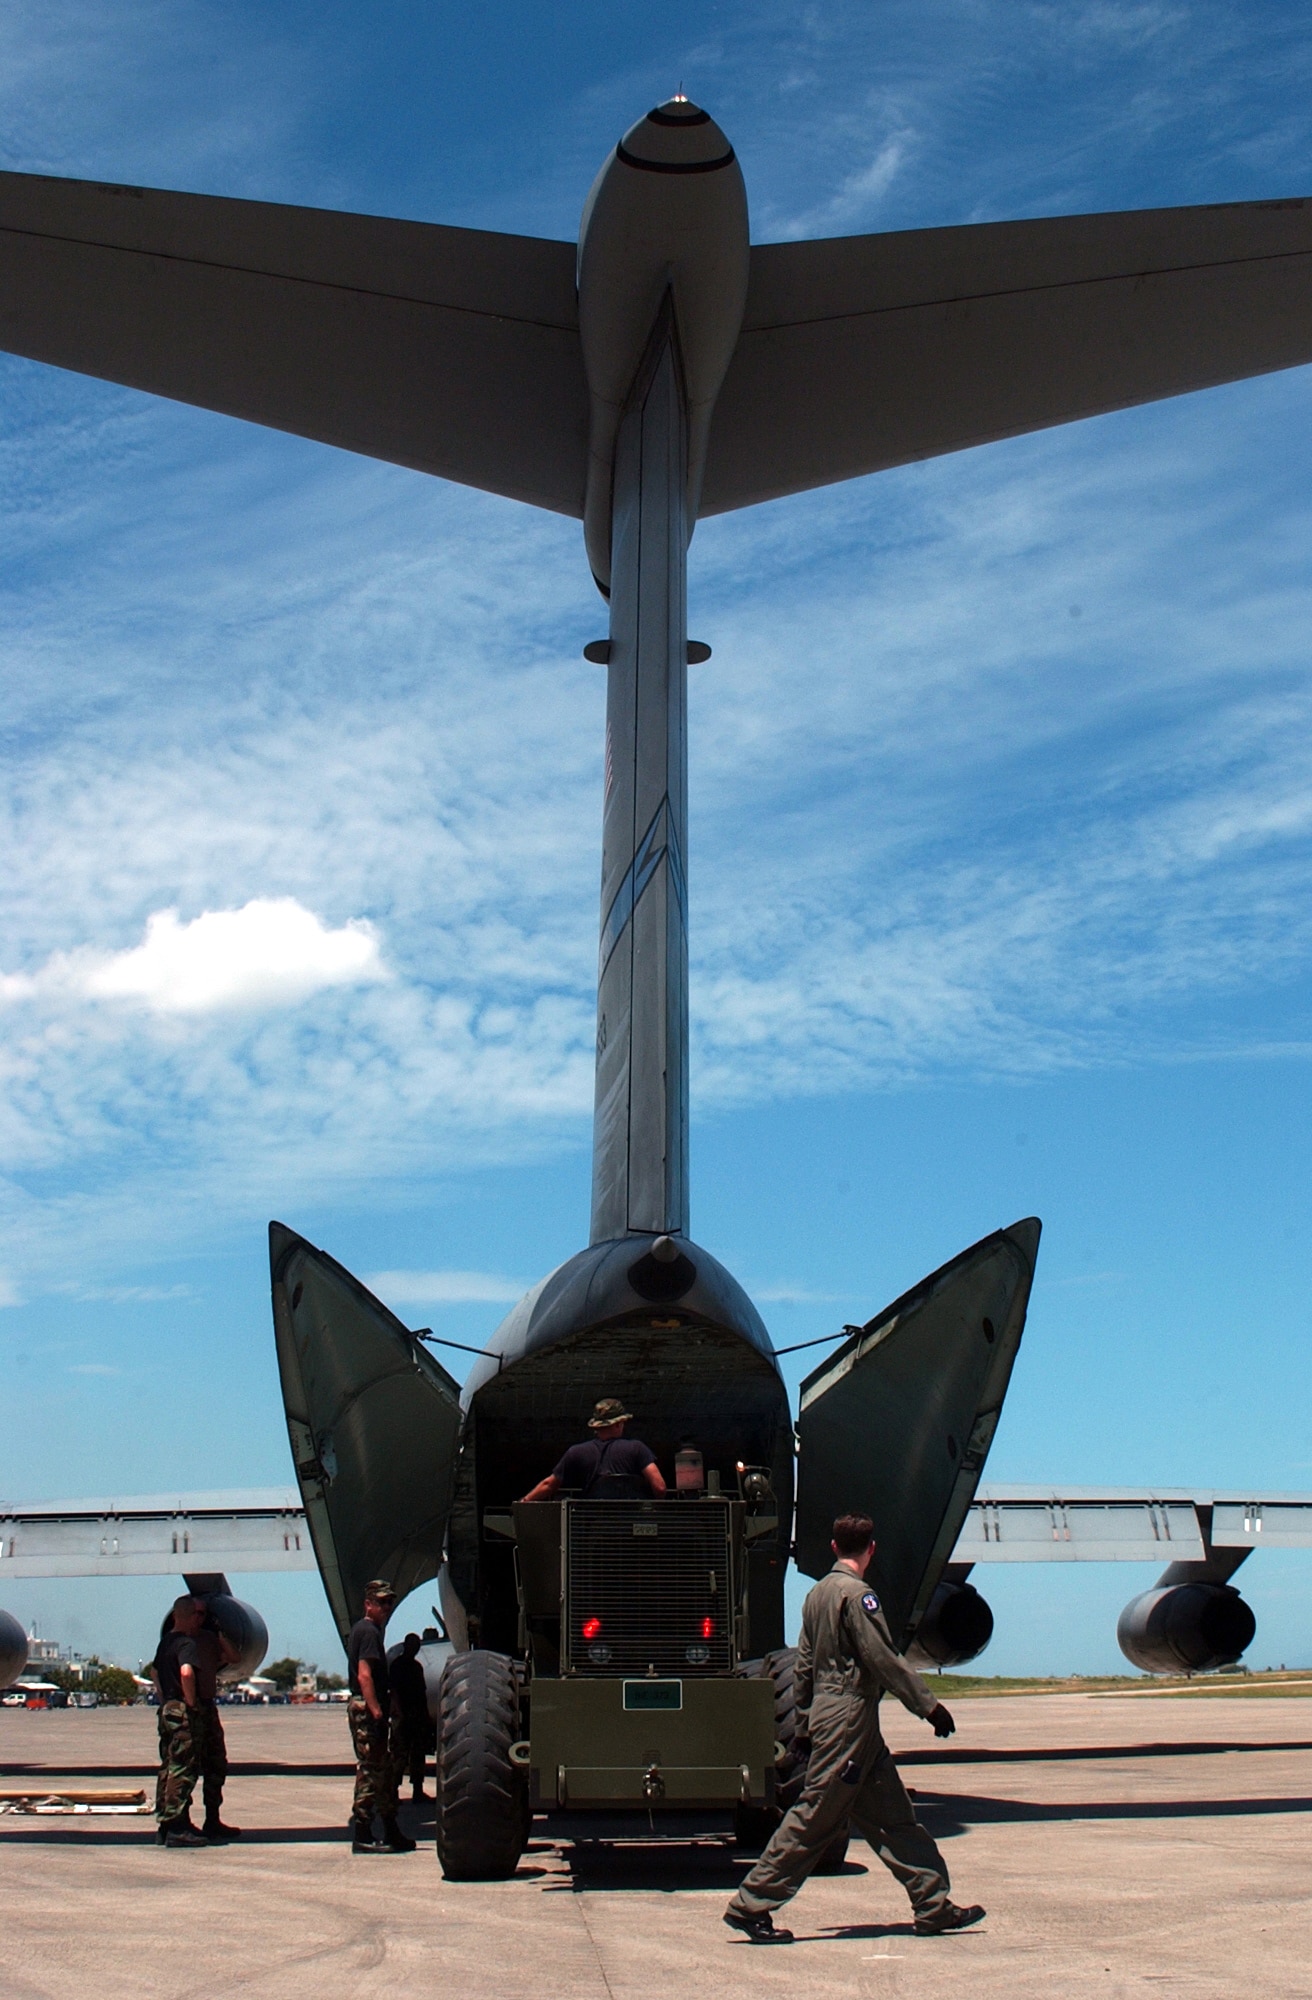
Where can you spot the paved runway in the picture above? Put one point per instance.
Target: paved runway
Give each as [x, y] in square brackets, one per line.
[1123, 1846]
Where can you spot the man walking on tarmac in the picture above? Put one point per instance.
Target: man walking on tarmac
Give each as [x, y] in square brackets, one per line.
[845, 1662]
[369, 1712]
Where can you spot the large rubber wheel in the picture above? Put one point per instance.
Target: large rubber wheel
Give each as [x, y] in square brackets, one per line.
[482, 1798]
[753, 1825]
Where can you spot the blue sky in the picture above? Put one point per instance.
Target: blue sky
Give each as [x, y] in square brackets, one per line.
[1001, 838]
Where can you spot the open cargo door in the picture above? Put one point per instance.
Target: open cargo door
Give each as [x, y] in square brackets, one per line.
[374, 1423]
[897, 1424]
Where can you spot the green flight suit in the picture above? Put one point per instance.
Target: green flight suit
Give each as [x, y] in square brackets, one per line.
[846, 1661]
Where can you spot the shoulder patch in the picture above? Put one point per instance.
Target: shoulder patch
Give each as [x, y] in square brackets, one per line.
[870, 1603]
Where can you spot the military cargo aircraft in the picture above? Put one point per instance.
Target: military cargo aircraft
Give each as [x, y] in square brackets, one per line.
[630, 1653]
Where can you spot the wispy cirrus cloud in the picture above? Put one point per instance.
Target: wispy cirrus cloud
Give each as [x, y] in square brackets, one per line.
[444, 1288]
[855, 201]
[940, 825]
[277, 719]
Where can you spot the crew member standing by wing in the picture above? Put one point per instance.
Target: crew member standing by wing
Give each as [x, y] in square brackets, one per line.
[608, 1466]
[369, 1712]
[411, 1723]
[846, 1661]
[214, 1651]
[173, 1670]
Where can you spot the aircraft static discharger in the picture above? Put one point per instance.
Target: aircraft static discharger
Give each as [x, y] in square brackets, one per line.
[629, 1653]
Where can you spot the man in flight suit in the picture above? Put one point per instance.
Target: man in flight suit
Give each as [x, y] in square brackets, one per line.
[845, 1662]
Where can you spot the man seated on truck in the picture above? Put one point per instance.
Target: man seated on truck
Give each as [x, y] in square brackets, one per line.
[609, 1466]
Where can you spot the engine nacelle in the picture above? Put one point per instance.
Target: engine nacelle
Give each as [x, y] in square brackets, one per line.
[13, 1649]
[956, 1627]
[243, 1626]
[1187, 1628]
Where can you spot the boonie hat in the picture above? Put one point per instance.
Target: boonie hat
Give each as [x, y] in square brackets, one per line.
[380, 1590]
[609, 1411]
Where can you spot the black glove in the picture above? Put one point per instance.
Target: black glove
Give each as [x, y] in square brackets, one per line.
[941, 1722]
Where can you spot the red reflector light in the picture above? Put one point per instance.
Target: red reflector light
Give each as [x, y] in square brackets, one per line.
[592, 1628]
[708, 1628]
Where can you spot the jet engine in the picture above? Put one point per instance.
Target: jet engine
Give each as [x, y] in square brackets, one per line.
[956, 1627]
[1188, 1628]
[244, 1628]
[13, 1649]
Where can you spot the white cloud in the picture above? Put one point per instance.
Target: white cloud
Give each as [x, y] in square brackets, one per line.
[444, 1288]
[9, 1293]
[792, 1295]
[271, 952]
[122, 1295]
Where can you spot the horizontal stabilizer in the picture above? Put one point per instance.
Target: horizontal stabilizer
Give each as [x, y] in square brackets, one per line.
[374, 1423]
[862, 352]
[454, 351]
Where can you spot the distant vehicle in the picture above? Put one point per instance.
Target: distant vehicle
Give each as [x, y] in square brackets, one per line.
[37, 1694]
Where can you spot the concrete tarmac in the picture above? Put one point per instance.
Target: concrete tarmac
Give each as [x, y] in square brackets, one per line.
[1122, 1845]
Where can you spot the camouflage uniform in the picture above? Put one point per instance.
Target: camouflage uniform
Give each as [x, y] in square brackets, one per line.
[179, 1761]
[375, 1764]
[846, 1660]
[211, 1755]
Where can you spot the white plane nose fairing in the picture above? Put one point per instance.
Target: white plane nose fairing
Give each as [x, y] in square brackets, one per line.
[666, 216]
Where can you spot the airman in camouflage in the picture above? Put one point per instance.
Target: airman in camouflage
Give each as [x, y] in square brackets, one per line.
[369, 1712]
[174, 1669]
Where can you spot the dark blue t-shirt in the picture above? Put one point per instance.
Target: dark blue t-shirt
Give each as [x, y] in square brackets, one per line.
[175, 1652]
[366, 1643]
[609, 1470]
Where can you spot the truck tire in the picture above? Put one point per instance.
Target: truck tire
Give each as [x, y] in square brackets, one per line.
[753, 1825]
[482, 1798]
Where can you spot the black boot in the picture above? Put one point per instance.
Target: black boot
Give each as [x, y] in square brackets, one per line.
[179, 1832]
[215, 1830]
[362, 1838]
[757, 1925]
[949, 1918]
[394, 1840]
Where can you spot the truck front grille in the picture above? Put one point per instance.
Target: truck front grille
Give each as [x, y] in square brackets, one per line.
[647, 1584]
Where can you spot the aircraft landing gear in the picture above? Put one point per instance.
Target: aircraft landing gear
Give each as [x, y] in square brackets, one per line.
[482, 1802]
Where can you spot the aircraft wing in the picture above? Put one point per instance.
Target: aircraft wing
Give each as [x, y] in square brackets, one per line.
[169, 1534]
[1127, 1524]
[156, 1534]
[863, 352]
[454, 351]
